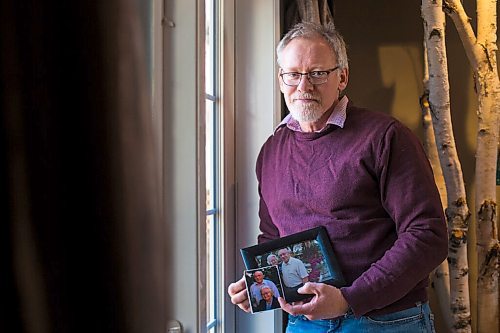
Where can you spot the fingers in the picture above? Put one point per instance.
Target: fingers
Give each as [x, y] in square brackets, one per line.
[236, 287]
[309, 288]
[306, 309]
[295, 308]
[239, 297]
[245, 305]
[316, 308]
[285, 306]
[238, 294]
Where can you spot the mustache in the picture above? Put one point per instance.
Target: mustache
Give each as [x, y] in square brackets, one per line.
[307, 96]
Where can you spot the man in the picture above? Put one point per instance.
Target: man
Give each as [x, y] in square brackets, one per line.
[260, 282]
[362, 175]
[293, 270]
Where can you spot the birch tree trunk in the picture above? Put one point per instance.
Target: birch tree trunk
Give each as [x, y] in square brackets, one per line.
[440, 277]
[457, 212]
[486, 163]
[481, 52]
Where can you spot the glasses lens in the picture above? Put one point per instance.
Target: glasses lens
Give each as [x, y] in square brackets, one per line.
[315, 77]
[291, 79]
[318, 77]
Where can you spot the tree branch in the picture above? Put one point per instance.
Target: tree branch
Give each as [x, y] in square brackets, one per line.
[486, 13]
[457, 13]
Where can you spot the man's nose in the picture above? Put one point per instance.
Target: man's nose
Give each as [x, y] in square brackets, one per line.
[304, 84]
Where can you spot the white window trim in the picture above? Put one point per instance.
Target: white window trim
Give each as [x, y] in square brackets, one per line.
[257, 105]
[250, 105]
[179, 109]
[226, 60]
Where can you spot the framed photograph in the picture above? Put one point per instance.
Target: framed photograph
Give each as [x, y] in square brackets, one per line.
[264, 286]
[299, 258]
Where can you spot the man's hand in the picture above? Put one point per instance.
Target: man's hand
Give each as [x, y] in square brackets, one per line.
[238, 293]
[327, 302]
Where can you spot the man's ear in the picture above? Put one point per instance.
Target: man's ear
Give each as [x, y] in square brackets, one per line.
[344, 79]
[281, 83]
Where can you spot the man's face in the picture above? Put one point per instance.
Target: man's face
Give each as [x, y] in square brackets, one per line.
[308, 103]
[284, 255]
[258, 277]
[266, 293]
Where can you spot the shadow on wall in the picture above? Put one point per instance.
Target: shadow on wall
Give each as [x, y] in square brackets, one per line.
[386, 67]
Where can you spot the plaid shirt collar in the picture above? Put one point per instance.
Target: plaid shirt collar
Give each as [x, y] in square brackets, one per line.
[337, 118]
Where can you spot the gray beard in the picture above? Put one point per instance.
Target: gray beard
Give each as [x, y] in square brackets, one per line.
[307, 115]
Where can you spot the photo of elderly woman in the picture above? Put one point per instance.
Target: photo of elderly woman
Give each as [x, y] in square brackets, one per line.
[268, 301]
[264, 287]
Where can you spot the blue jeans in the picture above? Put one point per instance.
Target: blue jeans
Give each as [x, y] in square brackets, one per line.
[418, 319]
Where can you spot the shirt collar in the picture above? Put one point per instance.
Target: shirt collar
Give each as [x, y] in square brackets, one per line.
[337, 117]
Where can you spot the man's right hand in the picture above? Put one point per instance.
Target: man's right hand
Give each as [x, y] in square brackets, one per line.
[238, 293]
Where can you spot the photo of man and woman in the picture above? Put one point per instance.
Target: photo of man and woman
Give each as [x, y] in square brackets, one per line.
[298, 258]
[297, 264]
[304, 255]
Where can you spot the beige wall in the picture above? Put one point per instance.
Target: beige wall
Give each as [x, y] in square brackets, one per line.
[386, 61]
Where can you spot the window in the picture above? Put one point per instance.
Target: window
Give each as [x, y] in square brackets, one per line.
[213, 169]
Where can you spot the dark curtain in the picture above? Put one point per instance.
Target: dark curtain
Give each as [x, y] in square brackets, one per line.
[291, 13]
[81, 246]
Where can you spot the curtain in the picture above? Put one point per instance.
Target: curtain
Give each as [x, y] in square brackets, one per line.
[81, 238]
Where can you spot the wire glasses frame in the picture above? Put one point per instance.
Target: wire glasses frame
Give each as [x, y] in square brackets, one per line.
[315, 77]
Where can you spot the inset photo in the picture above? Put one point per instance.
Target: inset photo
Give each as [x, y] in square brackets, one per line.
[264, 286]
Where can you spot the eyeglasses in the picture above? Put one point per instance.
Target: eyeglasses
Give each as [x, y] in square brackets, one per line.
[315, 77]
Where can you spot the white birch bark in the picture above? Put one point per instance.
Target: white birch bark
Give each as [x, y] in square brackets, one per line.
[481, 52]
[457, 211]
[440, 277]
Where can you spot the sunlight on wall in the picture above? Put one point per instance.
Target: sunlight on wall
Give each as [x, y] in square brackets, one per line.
[401, 69]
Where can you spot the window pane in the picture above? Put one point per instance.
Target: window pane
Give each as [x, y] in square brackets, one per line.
[210, 154]
[209, 47]
[210, 269]
[212, 170]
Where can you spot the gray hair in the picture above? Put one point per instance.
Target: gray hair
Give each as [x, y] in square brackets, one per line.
[269, 258]
[287, 249]
[311, 30]
[266, 287]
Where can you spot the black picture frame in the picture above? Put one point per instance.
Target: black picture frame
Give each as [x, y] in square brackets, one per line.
[312, 247]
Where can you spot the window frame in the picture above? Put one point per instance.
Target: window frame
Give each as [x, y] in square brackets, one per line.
[212, 166]
[224, 92]
[249, 114]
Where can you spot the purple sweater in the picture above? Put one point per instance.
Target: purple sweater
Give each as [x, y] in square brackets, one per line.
[371, 185]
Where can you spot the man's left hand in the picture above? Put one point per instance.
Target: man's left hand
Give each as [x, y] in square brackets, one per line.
[327, 302]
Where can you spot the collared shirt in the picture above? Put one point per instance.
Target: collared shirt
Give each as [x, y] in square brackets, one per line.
[337, 117]
[294, 271]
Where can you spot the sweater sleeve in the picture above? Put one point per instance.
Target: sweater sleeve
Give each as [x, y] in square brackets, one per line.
[410, 197]
[267, 228]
